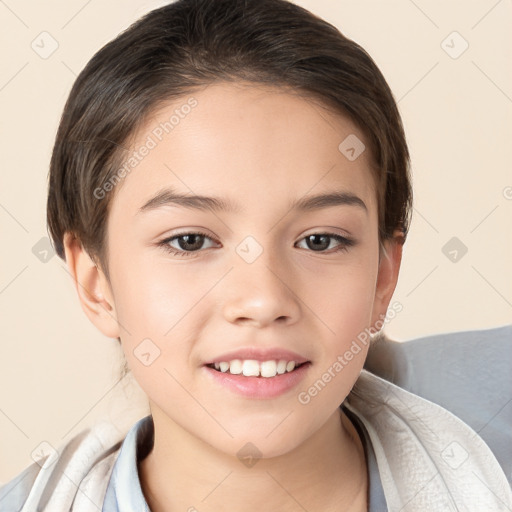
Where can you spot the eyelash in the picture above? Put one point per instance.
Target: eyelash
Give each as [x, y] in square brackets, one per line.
[345, 243]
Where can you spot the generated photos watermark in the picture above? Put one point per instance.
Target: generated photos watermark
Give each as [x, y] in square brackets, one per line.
[151, 142]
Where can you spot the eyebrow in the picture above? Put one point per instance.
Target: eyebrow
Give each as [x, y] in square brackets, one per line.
[169, 197]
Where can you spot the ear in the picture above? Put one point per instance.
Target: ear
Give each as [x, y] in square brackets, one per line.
[389, 266]
[93, 288]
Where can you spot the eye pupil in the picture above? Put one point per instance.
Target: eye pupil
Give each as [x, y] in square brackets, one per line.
[189, 242]
[321, 241]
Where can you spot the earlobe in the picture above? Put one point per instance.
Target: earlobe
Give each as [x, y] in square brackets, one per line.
[92, 287]
[389, 267]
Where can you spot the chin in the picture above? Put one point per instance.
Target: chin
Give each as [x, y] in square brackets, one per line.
[262, 442]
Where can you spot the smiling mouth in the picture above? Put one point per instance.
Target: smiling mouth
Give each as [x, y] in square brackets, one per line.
[254, 368]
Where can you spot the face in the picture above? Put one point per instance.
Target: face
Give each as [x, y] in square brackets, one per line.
[261, 278]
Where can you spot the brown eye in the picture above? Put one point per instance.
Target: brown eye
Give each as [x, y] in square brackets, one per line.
[192, 242]
[319, 242]
[185, 244]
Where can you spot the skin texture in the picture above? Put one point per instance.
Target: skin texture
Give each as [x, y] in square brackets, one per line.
[262, 148]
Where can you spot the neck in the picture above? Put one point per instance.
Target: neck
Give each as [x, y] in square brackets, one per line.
[327, 472]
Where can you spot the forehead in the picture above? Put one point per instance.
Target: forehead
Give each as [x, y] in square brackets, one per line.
[254, 145]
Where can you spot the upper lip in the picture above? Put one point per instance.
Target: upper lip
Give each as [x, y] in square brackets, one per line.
[260, 354]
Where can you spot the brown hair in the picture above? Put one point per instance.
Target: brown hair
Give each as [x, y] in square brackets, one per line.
[175, 49]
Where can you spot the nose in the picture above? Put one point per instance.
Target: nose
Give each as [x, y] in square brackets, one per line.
[260, 293]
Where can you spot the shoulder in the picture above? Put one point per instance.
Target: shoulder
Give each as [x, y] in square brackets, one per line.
[427, 458]
[467, 373]
[85, 461]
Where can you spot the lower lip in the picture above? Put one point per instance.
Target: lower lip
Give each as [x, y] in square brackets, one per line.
[259, 387]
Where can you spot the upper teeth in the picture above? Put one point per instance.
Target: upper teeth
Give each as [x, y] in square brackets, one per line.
[253, 368]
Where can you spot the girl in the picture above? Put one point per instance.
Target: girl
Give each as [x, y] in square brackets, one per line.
[230, 190]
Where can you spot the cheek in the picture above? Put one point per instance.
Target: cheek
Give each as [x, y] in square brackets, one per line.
[343, 299]
[157, 308]
[161, 307]
[345, 310]
[154, 295]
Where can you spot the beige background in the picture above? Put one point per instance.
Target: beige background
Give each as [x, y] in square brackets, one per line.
[58, 375]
